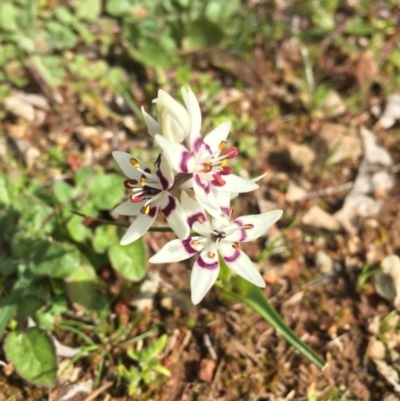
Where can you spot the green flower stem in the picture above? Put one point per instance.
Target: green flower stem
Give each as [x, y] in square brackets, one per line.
[253, 297]
[118, 224]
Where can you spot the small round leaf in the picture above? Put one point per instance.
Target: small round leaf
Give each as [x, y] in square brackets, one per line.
[33, 354]
[129, 260]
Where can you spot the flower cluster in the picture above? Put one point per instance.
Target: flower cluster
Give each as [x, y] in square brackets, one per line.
[192, 185]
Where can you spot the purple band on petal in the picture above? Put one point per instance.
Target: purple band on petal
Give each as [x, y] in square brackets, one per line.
[203, 184]
[195, 217]
[243, 234]
[163, 181]
[232, 258]
[197, 144]
[188, 247]
[210, 266]
[158, 161]
[153, 211]
[225, 210]
[167, 210]
[184, 161]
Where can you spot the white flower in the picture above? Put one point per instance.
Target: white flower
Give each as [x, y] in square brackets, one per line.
[213, 238]
[173, 119]
[150, 192]
[203, 158]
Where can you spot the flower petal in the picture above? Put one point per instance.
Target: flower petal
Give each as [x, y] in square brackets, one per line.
[127, 164]
[193, 211]
[241, 264]
[164, 172]
[152, 125]
[206, 197]
[178, 156]
[224, 201]
[139, 227]
[233, 195]
[204, 273]
[176, 218]
[257, 224]
[219, 134]
[129, 208]
[194, 111]
[234, 183]
[173, 117]
[177, 250]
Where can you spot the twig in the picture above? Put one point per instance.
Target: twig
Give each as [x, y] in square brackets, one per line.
[328, 191]
[215, 380]
[101, 389]
[209, 346]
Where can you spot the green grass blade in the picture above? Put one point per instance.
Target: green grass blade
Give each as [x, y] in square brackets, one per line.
[253, 297]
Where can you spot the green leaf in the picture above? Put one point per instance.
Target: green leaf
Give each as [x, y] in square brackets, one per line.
[107, 191]
[8, 17]
[54, 259]
[50, 68]
[77, 230]
[253, 297]
[8, 266]
[83, 176]
[129, 260]
[4, 195]
[83, 289]
[201, 34]
[104, 237]
[88, 10]
[151, 53]
[28, 305]
[218, 11]
[63, 191]
[33, 354]
[157, 346]
[118, 8]
[60, 36]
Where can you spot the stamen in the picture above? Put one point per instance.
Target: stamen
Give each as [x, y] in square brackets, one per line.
[231, 153]
[130, 183]
[236, 245]
[194, 243]
[134, 162]
[222, 145]
[207, 166]
[136, 198]
[248, 226]
[218, 181]
[230, 212]
[200, 219]
[210, 255]
[143, 181]
[145, 209]
[226, 170]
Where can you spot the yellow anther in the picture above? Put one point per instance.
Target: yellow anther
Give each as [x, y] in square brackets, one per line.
[211, 255]
[236, 245]
[222, 145]
[143, 181]
[248, 226]
[195, 243]
[207, 167]
[223, 163]
[134, 162]
[146, 209]
[200, 219]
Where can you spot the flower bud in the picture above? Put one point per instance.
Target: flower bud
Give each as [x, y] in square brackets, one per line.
[173, 118]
